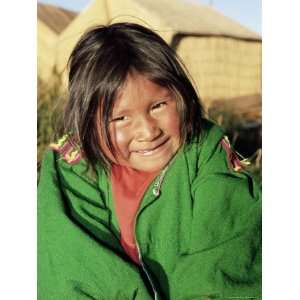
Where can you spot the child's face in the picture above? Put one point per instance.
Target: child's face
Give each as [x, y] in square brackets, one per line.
[144, 126]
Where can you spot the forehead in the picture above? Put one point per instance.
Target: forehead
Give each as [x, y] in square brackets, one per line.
[138, 90]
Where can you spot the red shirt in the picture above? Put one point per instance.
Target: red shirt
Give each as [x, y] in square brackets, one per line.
[128, 188]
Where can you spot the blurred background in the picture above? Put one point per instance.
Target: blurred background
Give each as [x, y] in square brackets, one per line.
[219, 42]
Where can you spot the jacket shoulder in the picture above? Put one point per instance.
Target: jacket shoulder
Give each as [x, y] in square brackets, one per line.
[214, 151]
[48, 182]
[210, 137]
[64, 159]
[202, 146]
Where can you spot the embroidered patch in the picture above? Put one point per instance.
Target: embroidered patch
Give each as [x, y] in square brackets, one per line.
[70, 152]
[232, 156]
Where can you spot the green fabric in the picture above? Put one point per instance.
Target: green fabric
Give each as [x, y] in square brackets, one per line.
[200, 237]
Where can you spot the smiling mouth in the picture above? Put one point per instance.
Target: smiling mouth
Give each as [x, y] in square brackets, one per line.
[147, 152]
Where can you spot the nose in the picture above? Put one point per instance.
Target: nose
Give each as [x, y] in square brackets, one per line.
[147, 129]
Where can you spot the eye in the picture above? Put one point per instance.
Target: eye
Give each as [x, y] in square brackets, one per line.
[119, 119]
[159, 105]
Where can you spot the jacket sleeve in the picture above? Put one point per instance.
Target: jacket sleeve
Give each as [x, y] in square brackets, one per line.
[226, 227]
[71, 263]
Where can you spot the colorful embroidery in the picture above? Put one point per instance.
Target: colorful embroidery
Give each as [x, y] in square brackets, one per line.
[233, 157]
[69, 151]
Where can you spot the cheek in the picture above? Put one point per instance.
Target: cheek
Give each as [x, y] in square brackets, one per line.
[172, 123]
[121, 139]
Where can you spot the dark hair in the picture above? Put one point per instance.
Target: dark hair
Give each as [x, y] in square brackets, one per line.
[98, 67]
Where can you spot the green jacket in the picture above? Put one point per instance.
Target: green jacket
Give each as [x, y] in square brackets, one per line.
[198, 230]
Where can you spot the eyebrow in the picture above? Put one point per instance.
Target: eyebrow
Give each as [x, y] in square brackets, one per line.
[119, 112]
[166, 92]
[161, 95]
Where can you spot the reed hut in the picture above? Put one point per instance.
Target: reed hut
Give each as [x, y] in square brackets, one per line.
[103, 12]
[51, 20]
[222, 56]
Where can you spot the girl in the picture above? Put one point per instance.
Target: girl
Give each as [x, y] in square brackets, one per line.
[142, 198]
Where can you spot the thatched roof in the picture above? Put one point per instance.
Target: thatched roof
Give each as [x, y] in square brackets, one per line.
[196, 19]
[54, 17]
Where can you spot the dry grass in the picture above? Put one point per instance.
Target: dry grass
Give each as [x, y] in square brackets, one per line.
[51, 99]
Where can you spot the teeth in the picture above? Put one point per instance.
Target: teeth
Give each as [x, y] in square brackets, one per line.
[147, 152]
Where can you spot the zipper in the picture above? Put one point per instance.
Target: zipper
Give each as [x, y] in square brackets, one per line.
[145, 270]
[158, 183]
[141, 258]
[155, 192]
